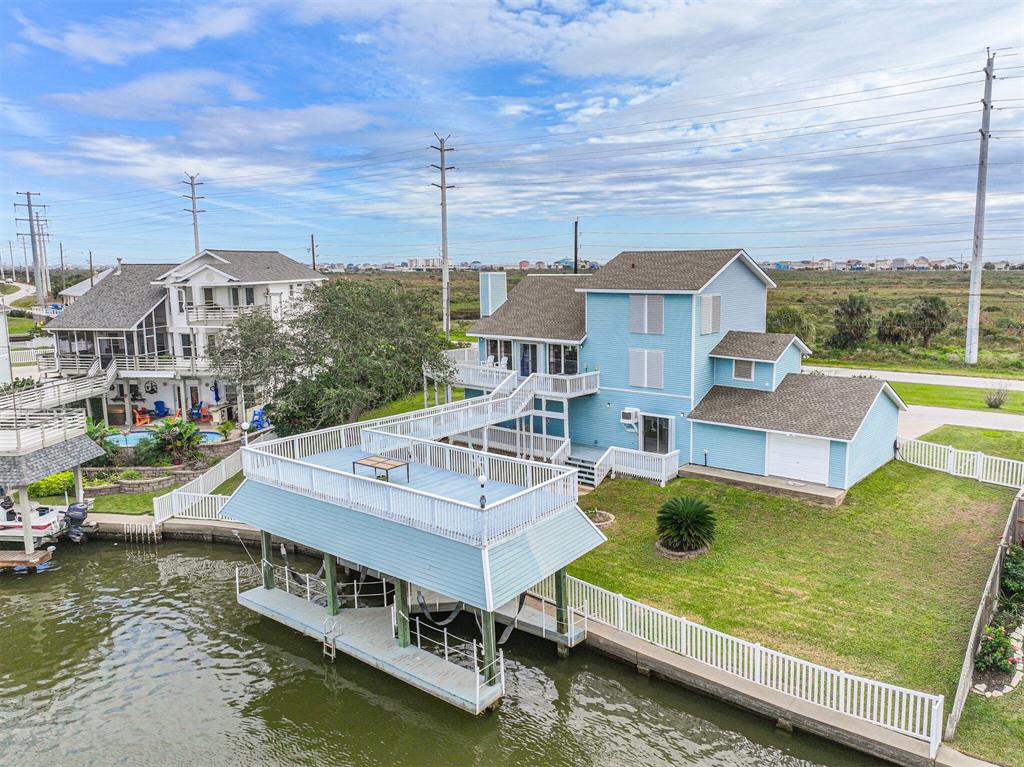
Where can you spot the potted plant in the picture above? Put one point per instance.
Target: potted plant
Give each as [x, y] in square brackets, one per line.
[686, 528]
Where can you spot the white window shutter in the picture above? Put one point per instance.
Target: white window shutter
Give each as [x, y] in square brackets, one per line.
[636, 367]
[716, 313]
[655, 369]
[636, 313]
[655, 314]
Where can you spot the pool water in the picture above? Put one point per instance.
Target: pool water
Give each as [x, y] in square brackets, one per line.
[131, 439]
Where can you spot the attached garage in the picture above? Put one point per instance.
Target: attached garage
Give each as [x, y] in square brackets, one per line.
[798, 457]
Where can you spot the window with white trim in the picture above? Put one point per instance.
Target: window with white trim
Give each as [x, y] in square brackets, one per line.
[646, 313]
[743, 370]
[563, 360]
[500, 350]
[710, 313]
[647, 368]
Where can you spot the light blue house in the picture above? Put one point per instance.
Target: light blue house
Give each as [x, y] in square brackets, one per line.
[666, 362]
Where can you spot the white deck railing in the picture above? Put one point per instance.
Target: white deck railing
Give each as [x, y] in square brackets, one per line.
[56, 393]
[25, 431]
[636, 463]
[523, 444]
[194, 499]
[212, 314]
[143, 363]
[474, 375]
[913, 713]
[963, 463]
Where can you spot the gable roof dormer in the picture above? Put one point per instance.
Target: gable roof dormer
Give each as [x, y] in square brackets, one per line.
[756, 347]
[243, 266]
[667, 271]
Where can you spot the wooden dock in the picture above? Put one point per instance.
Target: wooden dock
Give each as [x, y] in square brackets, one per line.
[365, 634]
[21, 559]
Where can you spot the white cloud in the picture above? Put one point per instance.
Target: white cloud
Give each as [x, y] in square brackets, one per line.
[233, 128]
[22, 120]
[158, 96]
[514, 109]
[114, 40]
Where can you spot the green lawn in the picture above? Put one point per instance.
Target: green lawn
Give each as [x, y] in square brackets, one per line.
[25, 302]
[955, 396]
[885, 585]
[7, 288]
[229, 485]
[19, 325]
[917, 367]
[1006, 444]
[120, 503]
[993, 728]
[407, 404]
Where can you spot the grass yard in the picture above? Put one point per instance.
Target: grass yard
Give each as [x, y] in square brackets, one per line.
[19, 325]
[7, 288]
[1005, 444]
[407, 404]
[229, 485]
[955, 396]
[885, 586]
[25, 302]
[993, 728]
[119, 503]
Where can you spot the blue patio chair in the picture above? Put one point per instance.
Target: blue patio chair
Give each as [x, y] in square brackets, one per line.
[196, 410]
[160, 409]
[259, 420]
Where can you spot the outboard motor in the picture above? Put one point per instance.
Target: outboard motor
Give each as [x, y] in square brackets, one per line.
[76, 516]
[7, 507]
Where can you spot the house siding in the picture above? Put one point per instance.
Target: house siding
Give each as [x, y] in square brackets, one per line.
[789, 362]
[594, 420]
[873, 445]
[744, 302]
[837, 464]
[764, 375]
[729, 448]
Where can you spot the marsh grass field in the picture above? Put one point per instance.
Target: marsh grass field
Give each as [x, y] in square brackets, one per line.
[816, 293]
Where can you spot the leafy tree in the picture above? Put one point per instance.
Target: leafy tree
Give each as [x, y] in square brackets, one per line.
[789, 319]
[895, 328]
[852, 320]
[929, 316]
[686, 523]
[98, 431]
[346, 348]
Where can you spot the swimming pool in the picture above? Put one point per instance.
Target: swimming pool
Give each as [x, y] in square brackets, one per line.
[131, 439]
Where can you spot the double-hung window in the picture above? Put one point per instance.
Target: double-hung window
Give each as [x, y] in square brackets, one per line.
[710, 313]
[647, 368]
[250, 296]
[646, 313]
[563, 360]
[234, 297]
[500, 349]
[186, 346]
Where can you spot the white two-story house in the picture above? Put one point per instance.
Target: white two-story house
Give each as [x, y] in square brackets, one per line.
[153, 324]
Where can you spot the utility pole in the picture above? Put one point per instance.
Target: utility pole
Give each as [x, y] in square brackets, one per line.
[33, 235]
[312, 250]
[576, 246]
[974, 292]
[14, 267]
[24, 255]
[92, 282]
[192, 184]
[446, 319]
[63, 274]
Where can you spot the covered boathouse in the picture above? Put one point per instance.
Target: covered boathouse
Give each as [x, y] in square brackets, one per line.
[415, 522]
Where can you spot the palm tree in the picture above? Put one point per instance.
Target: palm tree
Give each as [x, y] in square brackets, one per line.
[686, 523]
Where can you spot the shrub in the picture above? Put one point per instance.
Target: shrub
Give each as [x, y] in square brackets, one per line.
[1013, 571]
[150, 452]
[226, 428]
[929, 316]
[130, 474]
[789, 319]
[996, 398]
[98, 431]
[55, 484]
[686, 523]
[995, 653]
[853, 322]
[894, 328]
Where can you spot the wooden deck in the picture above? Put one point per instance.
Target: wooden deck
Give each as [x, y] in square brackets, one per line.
[441, 482]
[9, 558]
[365, 634]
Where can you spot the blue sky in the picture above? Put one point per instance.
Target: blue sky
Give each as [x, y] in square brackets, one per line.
[793, 130]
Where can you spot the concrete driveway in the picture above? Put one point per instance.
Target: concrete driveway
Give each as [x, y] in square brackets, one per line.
[920, 419]
[938, 379]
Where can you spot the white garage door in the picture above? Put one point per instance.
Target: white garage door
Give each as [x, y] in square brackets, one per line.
[803, 458]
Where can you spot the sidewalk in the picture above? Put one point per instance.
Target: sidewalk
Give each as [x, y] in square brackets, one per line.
[937, 379]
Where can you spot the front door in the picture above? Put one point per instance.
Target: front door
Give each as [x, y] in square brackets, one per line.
[654, 434]
[527, 359]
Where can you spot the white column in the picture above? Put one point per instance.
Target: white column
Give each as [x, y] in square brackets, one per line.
[26, 519]
[79, 485]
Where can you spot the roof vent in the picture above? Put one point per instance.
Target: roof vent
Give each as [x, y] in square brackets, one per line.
[118, 269]
[632, 265]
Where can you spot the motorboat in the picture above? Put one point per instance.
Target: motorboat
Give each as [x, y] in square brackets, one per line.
[49, 523]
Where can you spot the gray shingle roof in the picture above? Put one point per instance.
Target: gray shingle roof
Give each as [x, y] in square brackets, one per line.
[743, 344]
[263, 266]
[817, 405]
[80, 288]
[21, 470]
[116, 303]
[540, 306]
[661, 269]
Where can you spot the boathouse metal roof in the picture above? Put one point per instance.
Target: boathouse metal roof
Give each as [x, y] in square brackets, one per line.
[482, 576]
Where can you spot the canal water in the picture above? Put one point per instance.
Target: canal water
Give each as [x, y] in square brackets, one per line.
[139, 655]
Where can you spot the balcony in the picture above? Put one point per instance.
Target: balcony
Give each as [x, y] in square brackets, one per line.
[471, 373]
[133, 363]
[442, 494]
[25, 431]
[215, 315]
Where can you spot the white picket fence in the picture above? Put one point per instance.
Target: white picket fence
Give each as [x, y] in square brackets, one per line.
[912, 713]
[194, 500]
[963, 463]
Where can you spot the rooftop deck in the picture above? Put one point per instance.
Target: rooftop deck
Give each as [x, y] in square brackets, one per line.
[366, 635]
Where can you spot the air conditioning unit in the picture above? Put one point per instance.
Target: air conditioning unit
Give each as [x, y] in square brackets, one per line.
[630, 415]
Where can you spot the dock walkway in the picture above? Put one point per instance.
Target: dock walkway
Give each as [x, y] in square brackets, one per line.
[365, 634]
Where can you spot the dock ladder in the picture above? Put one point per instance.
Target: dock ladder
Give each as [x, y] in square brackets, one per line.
[330, 651]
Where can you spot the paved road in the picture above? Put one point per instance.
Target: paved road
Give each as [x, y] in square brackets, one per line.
[919, 420]
[23, 290]
[939, 379]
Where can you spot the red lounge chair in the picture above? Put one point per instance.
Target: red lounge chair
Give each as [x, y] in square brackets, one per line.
[141, 418]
